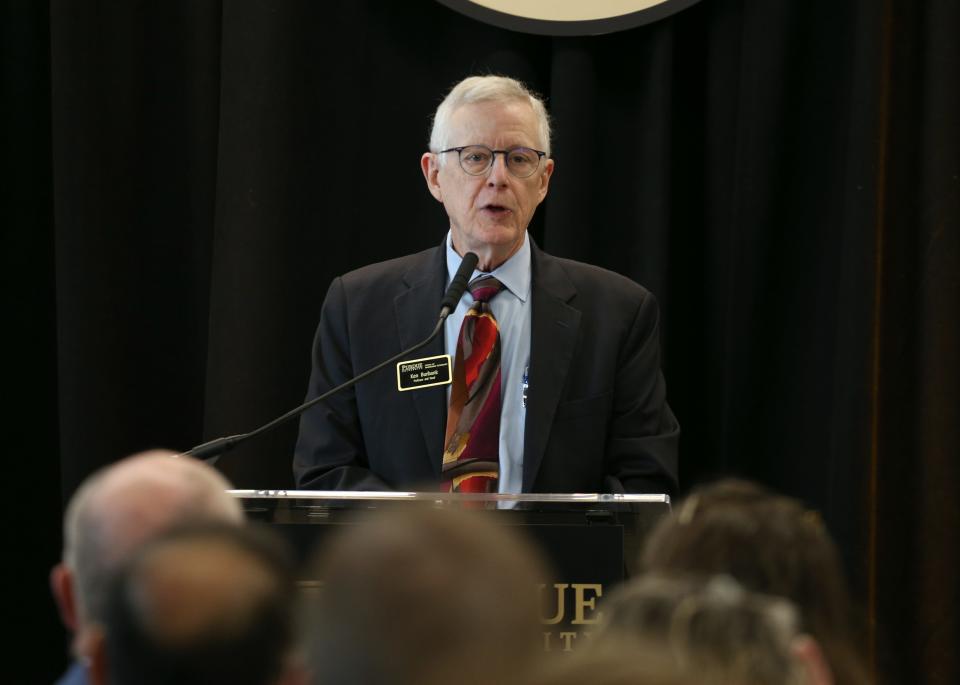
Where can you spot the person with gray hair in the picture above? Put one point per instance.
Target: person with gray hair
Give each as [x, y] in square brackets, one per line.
[547, 377]
[478, 89]
[713, 630]
[112, 513]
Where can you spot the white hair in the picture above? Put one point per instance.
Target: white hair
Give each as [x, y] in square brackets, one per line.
[120, 506]
[475, 89]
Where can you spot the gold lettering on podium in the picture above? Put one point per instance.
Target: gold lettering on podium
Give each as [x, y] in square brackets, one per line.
[554, 604]
[560, 595]
[580, 602]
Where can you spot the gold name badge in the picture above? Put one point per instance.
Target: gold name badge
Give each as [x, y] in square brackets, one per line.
[414, 374]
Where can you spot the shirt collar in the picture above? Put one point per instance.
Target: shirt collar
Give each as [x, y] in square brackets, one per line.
[513, 273]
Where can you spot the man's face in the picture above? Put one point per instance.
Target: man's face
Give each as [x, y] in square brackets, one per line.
[489, 214]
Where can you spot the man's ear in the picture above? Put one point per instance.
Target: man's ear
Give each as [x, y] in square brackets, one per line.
[294, 675]
[545, 179]
[62, 588]
[431, 173]
[812, 661]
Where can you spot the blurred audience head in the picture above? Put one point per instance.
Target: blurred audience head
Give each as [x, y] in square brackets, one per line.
[613, 660]
[770, 544]
[715, 631]
[424, 596]
[118, 508]
[201, 605]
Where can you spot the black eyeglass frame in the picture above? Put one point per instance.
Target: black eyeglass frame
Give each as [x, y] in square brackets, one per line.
[493, 158]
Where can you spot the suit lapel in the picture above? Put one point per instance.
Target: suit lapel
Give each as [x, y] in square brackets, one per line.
[553, 337]
[417, 308]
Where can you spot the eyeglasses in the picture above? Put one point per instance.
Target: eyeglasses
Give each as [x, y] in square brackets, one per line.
[476, 160]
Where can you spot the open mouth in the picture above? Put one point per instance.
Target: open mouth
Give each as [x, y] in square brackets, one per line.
[495, 210]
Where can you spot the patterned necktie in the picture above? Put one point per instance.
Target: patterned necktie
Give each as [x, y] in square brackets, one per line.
[471, 457]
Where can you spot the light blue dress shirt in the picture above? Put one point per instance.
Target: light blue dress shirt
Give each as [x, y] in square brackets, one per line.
[511, 308]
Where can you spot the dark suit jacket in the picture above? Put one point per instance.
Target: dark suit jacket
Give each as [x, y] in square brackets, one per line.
[597, 417]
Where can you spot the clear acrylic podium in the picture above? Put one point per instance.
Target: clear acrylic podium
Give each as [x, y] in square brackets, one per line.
[593, 541]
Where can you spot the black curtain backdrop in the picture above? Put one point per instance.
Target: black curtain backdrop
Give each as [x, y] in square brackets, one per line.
[185, 178]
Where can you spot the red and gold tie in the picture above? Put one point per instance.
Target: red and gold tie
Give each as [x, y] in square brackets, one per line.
[471, 457]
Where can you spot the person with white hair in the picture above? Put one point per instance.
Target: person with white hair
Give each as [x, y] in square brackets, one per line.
[547, 377]
[714, 631]
[114, 512]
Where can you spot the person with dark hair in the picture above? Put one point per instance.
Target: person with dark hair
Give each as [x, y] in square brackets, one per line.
[770, 544]
[424, 597]
[201, 605]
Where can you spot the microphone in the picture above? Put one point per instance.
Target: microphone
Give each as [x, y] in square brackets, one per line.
[210, 451]
[458, 284]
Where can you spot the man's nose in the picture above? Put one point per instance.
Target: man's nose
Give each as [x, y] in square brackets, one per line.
[498, 171]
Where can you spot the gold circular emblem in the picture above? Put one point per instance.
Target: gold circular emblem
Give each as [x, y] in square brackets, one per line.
[567, 17]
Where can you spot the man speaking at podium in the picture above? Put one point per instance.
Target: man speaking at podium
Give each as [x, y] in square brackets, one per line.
[553, 380]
